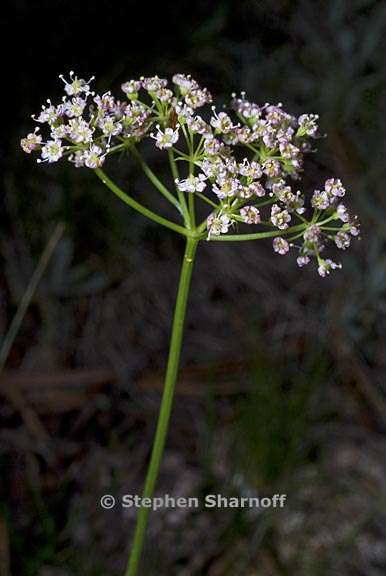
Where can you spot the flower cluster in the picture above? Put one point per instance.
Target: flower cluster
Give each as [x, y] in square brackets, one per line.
[245, 161]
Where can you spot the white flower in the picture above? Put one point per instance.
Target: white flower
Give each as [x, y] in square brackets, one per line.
[197, 98]
[342, 213]
[165, 140]
[320, 200]
[222, 122]
[279, 217]
[79, 130]
[131, 87]
[93, 158]
[252, 170]
[302, 260]
[184, 82]
[226, 187]
[342, 240]
[334, 187]
[250, 215]
[76, 85]
[154, 83]
[325, 267]
[109, 126]
[280, 245]
[48, 114]
[308, 124]
[52, 151]
[192, 183]
[31, 142]
[218, 224]
[74, 107]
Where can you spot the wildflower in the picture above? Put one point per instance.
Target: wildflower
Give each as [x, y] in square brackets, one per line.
[199, 126]
[221, 122]
[197, 98]
[312, 234]
[280, 245]
[251, 170]
[165, 140]
[342, 240]
[288, 150]
[185, 83]
[59, 132]
[164, 94]
[354, 226]
[79, 130]
[250, 215]
[76, 85]
[131, 87]
[334, 187]
[105, 103]
[109, 126]
[154, 83]
[226, 187]
[49, 114]
[74, 107]
[217, 224]
[342, 213]
[302, 260]
[256, 189]
[52, 151]
[279, 217]
[93, 158]
[308, 125]
[31, 142]
[212, 146]
[272, 168]
[320, 200]
[325, 267]
[192, 183]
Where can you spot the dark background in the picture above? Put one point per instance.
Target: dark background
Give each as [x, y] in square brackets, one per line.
[282, 386]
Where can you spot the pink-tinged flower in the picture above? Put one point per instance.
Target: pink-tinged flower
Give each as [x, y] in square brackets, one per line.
[192, 183]
[334, 187]
[165, 140]
[325, 267]
[217, 224]
[93, 158]
[31, 142]
[279, 217]
[280, 245]
[250, 215]
[302, 260]
[52, 151]
[308, 124]
[76, 85]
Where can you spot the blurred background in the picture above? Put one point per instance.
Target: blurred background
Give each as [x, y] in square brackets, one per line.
[282, 387]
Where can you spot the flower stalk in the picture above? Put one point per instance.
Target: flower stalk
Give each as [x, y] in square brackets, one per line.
[166, 403]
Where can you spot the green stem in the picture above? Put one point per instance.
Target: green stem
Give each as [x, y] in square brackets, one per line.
[259, 235]
[137, 206]
[155, 180]
[181, 196]
[166, 403]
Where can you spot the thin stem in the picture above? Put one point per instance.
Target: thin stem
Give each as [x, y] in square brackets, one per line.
[137, 206]
[258, 235]
[166, 403]
[155, 180]
[28, 294]
[181, 196]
